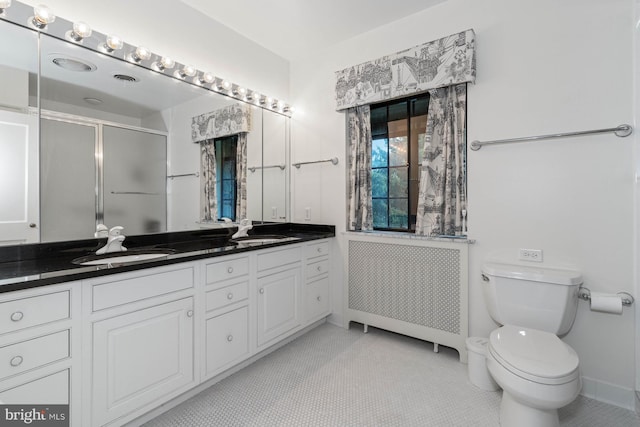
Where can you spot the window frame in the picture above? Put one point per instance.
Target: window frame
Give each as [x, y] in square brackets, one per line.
[411, 165]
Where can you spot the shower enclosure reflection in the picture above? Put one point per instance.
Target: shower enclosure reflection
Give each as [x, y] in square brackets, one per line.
[110, 133]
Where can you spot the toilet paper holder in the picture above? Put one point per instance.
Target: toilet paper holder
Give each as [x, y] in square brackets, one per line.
[585, 294]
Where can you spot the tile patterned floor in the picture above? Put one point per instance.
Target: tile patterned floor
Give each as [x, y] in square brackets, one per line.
[337, 377]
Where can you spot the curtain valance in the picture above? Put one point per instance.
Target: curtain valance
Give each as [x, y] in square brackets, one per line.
[443, 62]
[230, 120]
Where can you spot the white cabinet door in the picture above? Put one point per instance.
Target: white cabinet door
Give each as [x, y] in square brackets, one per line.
[278, 304]
[227, 338]
[141, 358]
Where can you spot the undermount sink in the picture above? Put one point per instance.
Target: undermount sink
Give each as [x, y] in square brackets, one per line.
[122, 257]
[261, 240]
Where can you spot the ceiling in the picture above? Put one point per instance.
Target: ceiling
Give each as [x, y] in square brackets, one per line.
[292, 28]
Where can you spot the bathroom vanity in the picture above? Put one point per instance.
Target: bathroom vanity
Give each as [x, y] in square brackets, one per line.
[117, 341]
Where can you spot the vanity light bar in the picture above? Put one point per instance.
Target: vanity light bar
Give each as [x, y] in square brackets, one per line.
[42, 18]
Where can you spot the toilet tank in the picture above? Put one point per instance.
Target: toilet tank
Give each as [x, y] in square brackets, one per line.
[543, 298]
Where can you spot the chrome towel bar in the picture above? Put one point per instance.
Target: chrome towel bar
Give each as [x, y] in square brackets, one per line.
[621, 131]
[333, 160]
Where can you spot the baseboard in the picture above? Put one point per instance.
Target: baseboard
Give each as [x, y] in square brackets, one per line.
[609, 393]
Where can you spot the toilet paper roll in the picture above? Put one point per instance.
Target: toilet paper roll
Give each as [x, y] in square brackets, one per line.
[606, 303]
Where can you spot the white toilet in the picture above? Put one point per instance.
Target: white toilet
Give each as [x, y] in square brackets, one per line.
[537, 371]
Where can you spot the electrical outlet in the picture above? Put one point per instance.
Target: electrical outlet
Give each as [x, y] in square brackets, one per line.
[307, 214]
[274, 212]
[534, 255]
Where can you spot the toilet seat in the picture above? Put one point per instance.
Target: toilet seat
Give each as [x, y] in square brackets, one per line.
[534, 355]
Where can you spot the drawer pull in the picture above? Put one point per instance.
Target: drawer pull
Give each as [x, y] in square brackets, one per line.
[17, 316]
[16, 361]
[261, 290]
[319, 268]
[230, 296]
[319, 249]
[318, 298]
[229, 270]
[190, 313]
[229, 338]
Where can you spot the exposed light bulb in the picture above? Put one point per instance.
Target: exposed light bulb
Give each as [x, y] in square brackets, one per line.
[80, 31]
[42, 16]
[225, 85]
[112, 43]
[4, 4]
[165, 63]
[187, 71]
[141, 54]
[206, 78]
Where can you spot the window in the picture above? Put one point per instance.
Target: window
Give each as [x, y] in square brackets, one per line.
[226, 171]
[398, 130]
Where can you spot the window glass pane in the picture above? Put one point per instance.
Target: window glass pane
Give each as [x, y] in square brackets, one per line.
[397, 111]
[398, 213]
[380, 219]
[379, 183]
[398, 155]
[228, 208]
[228, 189]
[398, 182]
[379, 153]
[379, 121]
[228, 167]
[420, 106]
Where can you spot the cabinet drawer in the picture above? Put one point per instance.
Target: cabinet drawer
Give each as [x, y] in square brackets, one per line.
[227, 295]
[227, 269]
[50, 390]
[119, 292]
[26, 312]
[25, 355]
[227, 338]
[313, 250]
[317, 268]
[317, 299]
[278, 258]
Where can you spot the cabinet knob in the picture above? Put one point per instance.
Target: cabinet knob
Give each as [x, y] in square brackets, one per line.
[190, 313]
[229, 338]
[319, 268]
[318, 298]
[32, 225]
[229, 270]
[319, 249]
[16, 361]
[17, 316]
[261, 290]
[230, 295]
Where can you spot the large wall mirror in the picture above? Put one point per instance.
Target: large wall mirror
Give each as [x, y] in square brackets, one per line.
[86, 138]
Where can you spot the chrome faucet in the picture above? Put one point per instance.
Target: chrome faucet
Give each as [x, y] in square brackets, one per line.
[114, 242]
[244, 226]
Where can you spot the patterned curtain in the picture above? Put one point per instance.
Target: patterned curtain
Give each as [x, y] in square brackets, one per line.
[241, 177]
[359, 135]
[209, 199]
[442, 200]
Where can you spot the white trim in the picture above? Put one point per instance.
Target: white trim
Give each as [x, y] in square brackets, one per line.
[608, 393]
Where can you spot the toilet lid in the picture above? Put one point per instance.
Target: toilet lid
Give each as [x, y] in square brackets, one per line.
[533, 354]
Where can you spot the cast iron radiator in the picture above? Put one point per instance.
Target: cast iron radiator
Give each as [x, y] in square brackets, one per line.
[418, 288]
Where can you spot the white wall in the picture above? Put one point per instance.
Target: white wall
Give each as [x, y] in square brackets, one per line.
[542, 67]
[172, 28]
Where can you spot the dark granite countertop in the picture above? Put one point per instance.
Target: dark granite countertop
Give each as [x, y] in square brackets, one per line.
[34, 265]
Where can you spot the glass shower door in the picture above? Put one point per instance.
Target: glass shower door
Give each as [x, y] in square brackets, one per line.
[135, 180]
[68, 189]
